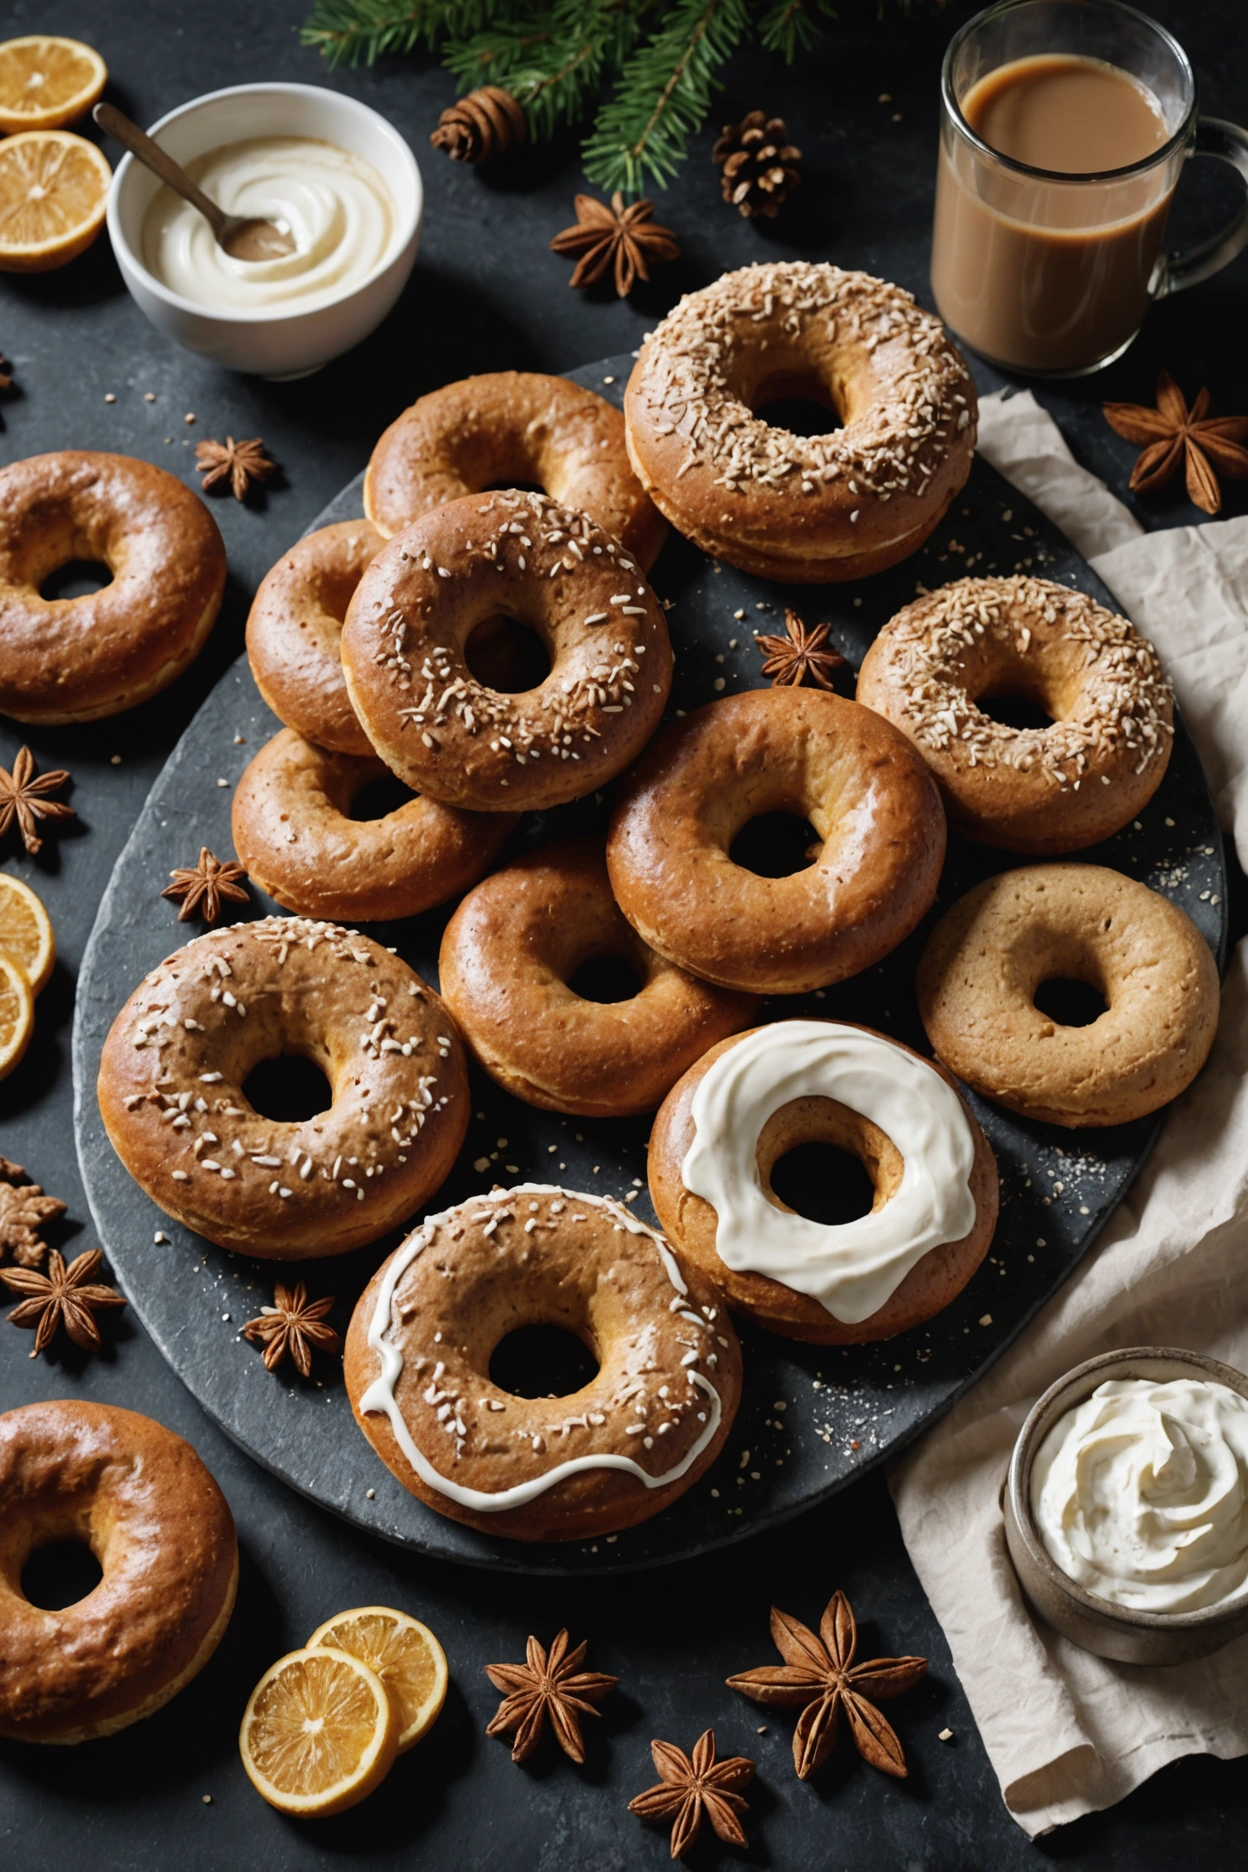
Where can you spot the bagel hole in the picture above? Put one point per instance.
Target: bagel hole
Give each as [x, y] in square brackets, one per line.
[289, 1089]
[77, 578]
[542, 1361]
[1070, 1003]
[775, 845]
[801, 415]
[1014, 711]
[605, 978]
[515, 487]
[504, 654]
[792, 397]
[59, 1574]
[823, 1183]
[377, 799]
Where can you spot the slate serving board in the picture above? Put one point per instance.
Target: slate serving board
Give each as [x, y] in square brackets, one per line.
[811, 1418]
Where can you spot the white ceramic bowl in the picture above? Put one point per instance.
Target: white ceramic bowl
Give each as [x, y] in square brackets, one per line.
[280, 342]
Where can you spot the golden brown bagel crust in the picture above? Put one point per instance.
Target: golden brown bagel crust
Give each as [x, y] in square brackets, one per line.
[1040, 790]
[989, 954]
[443, 731]
[294, 834]
[507, 957]
[162, 1531]
[803, 508]
[294, 633]
[512, 426]
[859, 783]
[552, 1257]
[691, 1223]
[178, 1054]
[79, 659]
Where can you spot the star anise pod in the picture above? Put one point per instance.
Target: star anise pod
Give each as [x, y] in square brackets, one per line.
[695, 1785]
[244, 464]
[202, 886]
[23, 1211]
[64, 1296]
[293, 1324]
[801, 654]
[23, 797]
[822, 1679]
[1208, 446]
[553, 1686]
[625, 237]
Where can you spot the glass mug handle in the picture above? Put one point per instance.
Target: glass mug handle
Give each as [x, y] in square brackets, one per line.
[1176, 272]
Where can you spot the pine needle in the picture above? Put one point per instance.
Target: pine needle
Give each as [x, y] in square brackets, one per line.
[664, 95]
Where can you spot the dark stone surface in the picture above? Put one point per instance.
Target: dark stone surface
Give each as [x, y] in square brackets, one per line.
[487, 294]
[812, 1418]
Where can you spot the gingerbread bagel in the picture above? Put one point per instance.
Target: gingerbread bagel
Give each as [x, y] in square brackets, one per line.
[172, 1088]
[753, 1099]
[294, 832]
[80, 659]
[294, 634]
[407, 650]
[508, 965]
[143, 1502]
[990, 955]
[870, 799]
[1042, 790]
[512, 428]
[805, 509]
[616, 1452]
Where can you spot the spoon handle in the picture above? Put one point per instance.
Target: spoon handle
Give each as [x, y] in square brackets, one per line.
[141, 146]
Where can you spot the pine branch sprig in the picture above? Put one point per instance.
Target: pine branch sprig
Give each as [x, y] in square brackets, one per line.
[664, 94]
[555, 57]
[794, 26]
[553, 60]
[359, 32]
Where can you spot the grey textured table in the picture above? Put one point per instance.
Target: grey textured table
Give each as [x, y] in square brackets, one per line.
[487, 294]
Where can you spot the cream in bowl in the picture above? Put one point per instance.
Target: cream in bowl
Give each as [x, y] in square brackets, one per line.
[1140, 1493]
[1127, 1505]
[333, 173]
[332, 203]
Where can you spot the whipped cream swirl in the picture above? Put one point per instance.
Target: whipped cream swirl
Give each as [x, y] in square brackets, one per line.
[332, 201]
[1140, 1493]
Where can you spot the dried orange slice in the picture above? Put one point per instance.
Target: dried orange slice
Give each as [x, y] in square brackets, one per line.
[405, 1655]
[46, 82]
[53, 194]
[319, 1733]
[17, 1015]
[25, 931]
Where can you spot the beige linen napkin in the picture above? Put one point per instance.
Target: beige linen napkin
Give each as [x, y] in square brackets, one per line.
[1066, 1732]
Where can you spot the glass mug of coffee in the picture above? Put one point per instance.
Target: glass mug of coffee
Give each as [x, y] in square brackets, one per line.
[1064, 126]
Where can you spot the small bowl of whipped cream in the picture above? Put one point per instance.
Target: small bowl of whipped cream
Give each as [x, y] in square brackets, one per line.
[327, 170]
[1126, 1505]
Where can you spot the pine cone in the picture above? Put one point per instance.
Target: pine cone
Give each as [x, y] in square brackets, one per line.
[760, 167]
[485, 123]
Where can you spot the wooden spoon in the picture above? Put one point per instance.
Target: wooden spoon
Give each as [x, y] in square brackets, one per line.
[243, 237]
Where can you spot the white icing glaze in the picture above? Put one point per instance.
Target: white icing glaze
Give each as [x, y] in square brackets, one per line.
[851, 1268]
[333, 203]
[380, 1396]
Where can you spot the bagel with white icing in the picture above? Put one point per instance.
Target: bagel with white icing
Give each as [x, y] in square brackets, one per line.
[752, 1099]
[614, 1453]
